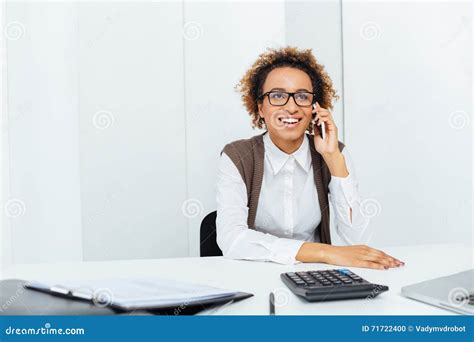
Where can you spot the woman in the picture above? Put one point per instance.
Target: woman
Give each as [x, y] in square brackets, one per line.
[274, 189]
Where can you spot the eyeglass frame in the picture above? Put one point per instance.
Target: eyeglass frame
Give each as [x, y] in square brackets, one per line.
[289, 95]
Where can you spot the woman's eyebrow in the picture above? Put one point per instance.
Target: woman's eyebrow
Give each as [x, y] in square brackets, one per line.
[283, 89]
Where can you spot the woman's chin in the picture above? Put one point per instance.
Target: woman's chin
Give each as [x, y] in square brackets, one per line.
[289, 134]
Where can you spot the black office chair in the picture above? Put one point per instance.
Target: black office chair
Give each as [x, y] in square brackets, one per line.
[208, 235]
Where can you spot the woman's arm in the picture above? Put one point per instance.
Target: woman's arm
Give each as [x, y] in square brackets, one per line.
[344, 196]
[234, 237]
[356, 256]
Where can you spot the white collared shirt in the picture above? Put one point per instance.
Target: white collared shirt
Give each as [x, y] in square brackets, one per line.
[288, 207]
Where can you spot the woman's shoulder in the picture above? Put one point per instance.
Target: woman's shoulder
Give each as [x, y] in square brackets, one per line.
[243, 145]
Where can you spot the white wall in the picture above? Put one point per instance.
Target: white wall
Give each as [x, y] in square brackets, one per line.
[5, 229]
[43, 205]
[132, 146]
[408, 79]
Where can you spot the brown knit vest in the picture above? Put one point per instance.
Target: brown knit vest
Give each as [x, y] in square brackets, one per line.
[248, 157]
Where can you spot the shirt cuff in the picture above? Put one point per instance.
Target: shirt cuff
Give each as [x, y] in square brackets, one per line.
[343, 190]
[284, 251]
[281, 250]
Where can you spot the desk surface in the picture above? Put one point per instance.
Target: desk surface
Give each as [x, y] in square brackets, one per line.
[423, 262]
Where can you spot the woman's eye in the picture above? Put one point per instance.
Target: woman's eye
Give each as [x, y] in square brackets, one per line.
[302, 96]
[277, 96]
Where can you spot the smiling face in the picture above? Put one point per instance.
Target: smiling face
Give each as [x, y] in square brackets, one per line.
[287, 122]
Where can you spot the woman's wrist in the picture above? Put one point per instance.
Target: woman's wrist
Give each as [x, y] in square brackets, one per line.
[336, 164]
[313, 252]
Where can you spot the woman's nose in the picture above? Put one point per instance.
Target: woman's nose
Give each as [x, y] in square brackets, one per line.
[291, 105]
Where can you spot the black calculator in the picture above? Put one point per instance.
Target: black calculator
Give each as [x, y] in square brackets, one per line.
[319, 286]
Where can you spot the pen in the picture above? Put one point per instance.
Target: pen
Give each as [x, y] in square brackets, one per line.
[272, 303]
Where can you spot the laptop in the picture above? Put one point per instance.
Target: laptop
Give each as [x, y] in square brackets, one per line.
[454, 292]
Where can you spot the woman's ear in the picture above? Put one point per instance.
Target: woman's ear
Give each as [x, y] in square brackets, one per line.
[260, 113]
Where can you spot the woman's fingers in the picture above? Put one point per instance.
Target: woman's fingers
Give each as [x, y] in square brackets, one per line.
[380, 257]
[389, 257]
[324, 112]
[361, 256]
[328, 121]
[323, 115]
[372, 257]
[382, 261]
[386, 259]
[370, 264]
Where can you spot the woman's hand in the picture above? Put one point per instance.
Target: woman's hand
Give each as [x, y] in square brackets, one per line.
[330, 145]
[356, 256]
[359, 256]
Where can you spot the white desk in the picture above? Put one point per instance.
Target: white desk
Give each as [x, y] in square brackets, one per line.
[260, 278]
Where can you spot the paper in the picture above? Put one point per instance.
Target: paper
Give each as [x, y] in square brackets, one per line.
[136, 293]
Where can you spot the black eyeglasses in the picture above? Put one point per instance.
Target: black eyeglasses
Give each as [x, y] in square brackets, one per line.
[280, 98]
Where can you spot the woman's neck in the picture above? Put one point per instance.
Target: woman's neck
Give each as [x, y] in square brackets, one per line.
[287, 146]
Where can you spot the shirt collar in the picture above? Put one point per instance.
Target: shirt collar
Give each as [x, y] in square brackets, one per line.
[278, 158]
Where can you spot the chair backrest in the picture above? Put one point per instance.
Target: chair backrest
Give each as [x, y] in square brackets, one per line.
[208, 236]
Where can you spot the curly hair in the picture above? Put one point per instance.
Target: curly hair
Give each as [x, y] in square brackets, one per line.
[251, 84]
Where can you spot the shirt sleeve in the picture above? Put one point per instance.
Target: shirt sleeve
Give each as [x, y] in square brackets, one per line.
[234, 237]
[344, 195]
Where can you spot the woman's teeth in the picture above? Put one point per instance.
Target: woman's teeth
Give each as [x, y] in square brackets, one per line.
[289, 121]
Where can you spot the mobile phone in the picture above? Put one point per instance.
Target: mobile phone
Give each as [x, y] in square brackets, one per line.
[322, 128]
